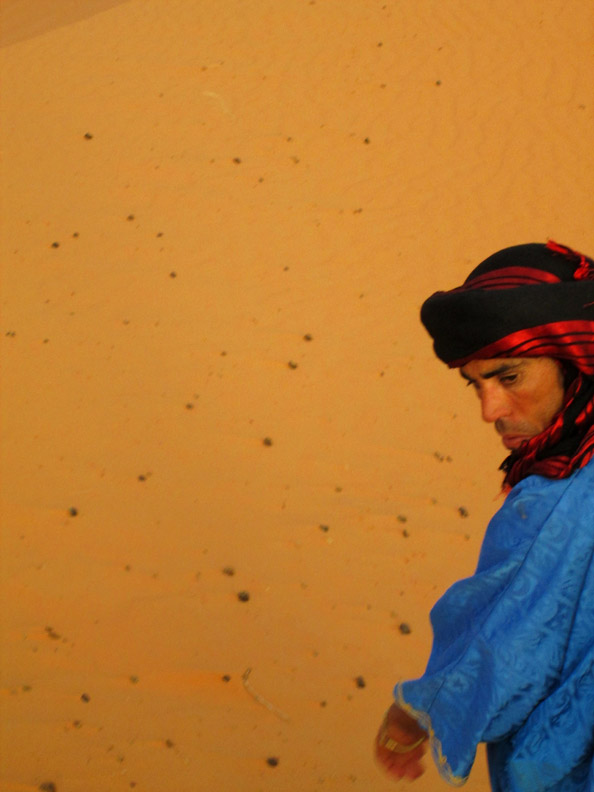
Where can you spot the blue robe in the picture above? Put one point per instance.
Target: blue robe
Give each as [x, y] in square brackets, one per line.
[512, 662]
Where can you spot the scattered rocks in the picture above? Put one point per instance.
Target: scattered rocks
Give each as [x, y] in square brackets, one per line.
[134, 679]
[405, 628]
[229, 571]
[292, 364]
[308, 337]
[462, 511]
[324, 528]
[55, 244]
[48, 786]
[267, 441]
[243, 596]
[88, 136]
[85, 697]
[360, 682]
[402, 518]
[272, 761]
[72, 511]
[226, 678]
[169, 744]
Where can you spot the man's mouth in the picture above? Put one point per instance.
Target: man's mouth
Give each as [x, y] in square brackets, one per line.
[513, 442]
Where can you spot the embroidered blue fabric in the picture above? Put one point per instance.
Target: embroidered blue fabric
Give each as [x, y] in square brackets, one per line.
[512, 662]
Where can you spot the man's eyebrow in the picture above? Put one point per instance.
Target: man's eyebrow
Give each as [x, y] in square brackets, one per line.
[505, 367]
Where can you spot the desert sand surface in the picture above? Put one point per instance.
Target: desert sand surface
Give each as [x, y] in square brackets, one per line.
[234, 477]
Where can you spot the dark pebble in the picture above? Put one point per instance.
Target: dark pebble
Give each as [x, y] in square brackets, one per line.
[462, 511]
[237, 160]
[292, 364]
[267, 441]
[88, 136]
[272, 761]
[402, 518]
[55, 244]
[308, 337]
[243, 596]
[228, 570]
[324, 528]
[404, 628]
[226, 678]
[85, 697]
[72, 511]
[405, 533]
[173, 274]
[48, 786]
[360, 682]
[130, 217]
[169, 744]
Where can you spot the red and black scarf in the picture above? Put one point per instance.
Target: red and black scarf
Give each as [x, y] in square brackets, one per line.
[528, 301]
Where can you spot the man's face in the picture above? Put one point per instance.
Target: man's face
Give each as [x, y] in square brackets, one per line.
[521, 396]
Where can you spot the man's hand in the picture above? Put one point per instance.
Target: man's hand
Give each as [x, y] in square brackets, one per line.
[400, 744]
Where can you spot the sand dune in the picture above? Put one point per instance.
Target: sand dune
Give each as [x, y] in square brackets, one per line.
[219, 222]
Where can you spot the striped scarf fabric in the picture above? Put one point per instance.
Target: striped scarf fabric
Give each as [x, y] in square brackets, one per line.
[528, 301]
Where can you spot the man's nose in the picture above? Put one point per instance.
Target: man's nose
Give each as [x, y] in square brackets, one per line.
[494, 404]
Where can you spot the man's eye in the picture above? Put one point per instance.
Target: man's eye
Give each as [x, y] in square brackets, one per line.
[508, 379]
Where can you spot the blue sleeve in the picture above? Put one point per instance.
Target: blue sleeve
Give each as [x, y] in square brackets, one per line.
[502, 636]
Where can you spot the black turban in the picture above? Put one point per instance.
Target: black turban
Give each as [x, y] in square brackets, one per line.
[524, 301]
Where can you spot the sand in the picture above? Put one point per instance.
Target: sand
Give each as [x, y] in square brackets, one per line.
[219, 222]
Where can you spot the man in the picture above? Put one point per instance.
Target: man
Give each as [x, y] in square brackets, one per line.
[512, 663]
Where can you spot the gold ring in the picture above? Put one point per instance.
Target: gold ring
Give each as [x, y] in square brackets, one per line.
[396, 747]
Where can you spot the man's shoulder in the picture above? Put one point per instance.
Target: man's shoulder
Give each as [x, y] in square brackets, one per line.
[538, 497]
[581, 478]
